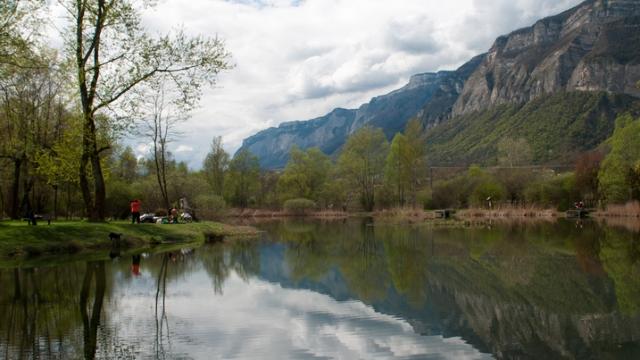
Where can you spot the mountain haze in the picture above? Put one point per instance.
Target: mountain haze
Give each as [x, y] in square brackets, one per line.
[591, 48]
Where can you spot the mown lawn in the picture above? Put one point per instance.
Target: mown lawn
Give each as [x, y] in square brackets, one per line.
[19, 239]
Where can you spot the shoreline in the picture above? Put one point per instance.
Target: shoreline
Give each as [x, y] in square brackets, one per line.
[19, 240]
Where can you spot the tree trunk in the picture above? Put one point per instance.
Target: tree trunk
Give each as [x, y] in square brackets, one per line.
[15, 189]
[55, 202]
[91, 323]
[94, 204]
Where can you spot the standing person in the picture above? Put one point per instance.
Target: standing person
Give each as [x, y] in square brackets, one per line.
[135, 211]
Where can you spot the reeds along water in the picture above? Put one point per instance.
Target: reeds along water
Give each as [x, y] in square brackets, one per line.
[630, 209]
[505, 211]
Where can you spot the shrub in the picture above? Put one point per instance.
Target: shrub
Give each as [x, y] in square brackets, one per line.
[559, 191]
[485, 190]
[210, 206]
[425, 199]
[299, 206]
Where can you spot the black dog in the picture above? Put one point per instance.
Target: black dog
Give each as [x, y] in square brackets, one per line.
[115, 245]
[115, 239]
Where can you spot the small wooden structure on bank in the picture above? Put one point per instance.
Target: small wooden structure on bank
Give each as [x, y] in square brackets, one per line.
[444, 213]
[577, 213]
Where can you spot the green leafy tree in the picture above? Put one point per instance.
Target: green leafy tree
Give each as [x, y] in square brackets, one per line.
[31, 117]
[397, 171]
[305, 174]
[514, 152]
[361, 163]
[215, 165]
[243, 178]
[618, 174]
[127, 165]
[406, 163]
[113, 56]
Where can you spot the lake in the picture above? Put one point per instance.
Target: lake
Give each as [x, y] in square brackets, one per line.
[348, 289]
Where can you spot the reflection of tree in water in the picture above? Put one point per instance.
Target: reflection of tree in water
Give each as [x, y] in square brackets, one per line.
[408, 253]
[239, 256]
[512, 290]
[620, 256]
[161, 314]
[352, 249]
[91, 319]
[38, 308]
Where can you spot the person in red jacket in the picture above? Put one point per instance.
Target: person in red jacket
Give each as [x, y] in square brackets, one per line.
[135, 211]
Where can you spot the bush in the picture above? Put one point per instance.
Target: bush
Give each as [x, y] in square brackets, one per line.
[210, 206]
[299, 206]
[485, 190]
[451, 193]
[425, 199]
[118, 199]
[559, 191]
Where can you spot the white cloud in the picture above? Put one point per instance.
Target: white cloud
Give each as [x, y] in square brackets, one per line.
[299, 59]
[183, 149]
[255, 317]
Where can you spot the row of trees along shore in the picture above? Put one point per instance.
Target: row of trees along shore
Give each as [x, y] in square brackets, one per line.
[63, 115]
[62, 111]
[369, 173]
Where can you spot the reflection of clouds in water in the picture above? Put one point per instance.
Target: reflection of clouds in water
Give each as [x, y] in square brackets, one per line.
[262, 320]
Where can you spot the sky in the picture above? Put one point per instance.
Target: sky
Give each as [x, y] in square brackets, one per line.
[299, 59]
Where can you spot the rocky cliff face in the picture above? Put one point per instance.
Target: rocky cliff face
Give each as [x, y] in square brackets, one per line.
[389, 112]
[592, 47]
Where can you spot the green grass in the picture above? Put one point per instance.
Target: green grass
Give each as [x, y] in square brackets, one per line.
[17, 239]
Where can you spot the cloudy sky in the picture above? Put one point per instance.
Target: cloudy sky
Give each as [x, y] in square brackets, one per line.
[299, 59]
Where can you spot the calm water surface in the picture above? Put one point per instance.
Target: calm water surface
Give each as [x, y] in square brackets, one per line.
[346, 290]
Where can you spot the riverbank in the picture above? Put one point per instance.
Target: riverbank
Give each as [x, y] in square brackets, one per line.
[17, 239]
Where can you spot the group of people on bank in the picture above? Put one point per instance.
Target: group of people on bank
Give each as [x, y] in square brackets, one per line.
[172, 218]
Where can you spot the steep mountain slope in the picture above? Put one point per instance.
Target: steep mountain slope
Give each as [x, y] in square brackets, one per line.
[592, 47]
[557, 126]
[389, 112]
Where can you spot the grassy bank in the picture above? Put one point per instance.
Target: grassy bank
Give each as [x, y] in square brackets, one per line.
[19, 239]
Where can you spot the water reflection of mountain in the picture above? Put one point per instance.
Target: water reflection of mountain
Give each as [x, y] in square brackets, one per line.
[536, 299]
[540, 291]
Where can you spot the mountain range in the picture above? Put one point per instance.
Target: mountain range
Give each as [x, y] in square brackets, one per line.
[560, 84]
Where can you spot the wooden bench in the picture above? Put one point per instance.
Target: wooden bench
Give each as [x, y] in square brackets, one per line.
[444, 213]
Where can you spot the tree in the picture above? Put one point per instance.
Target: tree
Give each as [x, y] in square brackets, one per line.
[617, 175]
[406, 163]
[30, 116]
[514, 152]
[113, 56]
[165, 110]
[361, 163]
[587, 168]
[305, 174]
[19, 30]
[127, 165]
[215, 165]
[242, 178]
[397, 172]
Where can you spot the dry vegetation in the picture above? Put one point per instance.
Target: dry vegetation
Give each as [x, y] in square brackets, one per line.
[628, 210]
[509, 211]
